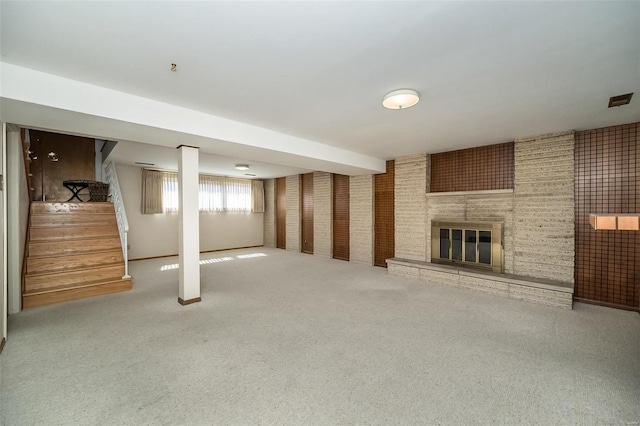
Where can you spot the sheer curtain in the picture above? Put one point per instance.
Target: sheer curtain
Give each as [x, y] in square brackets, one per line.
[170, 199]
[159, 191]
[257, 196]
[211, 193]
[237, 195]
[215, 193]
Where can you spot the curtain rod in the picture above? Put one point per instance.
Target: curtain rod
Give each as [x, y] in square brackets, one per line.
[199, 174]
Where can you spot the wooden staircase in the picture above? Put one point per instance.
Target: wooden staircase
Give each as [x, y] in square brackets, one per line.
[74, 251]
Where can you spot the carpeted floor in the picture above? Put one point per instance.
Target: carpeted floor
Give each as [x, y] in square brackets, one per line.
[288, 338]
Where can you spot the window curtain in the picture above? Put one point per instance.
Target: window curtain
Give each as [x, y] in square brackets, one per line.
[238, 195]
[151, 192]
[211, 193]
[159, 191]
[215, 193]
[257, 196]
[170, 199]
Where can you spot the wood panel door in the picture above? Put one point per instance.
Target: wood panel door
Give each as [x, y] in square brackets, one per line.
[341, 217]
[307, 213]
[281, 213]
[384, 221]
[72, 158]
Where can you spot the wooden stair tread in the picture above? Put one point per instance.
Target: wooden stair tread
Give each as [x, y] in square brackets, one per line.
[74, 286]
[73, 269]
[73, 225]
[73, 246]
[50, 233]
[78, 277]
[39, 274]
[39, 207]
[82, 253]
[32, 300]
[79, 238]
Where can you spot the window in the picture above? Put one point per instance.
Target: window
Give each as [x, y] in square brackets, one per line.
[469, 244]
[215, 193]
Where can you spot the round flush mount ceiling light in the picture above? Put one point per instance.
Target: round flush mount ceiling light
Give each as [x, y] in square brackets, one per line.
[242, 167]
[401, 99]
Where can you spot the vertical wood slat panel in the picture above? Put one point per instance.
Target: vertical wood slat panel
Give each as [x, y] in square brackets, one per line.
[384, 216]
[281, 213]
[607, 180]
[307, 213]
[341, 217]
[473, 169]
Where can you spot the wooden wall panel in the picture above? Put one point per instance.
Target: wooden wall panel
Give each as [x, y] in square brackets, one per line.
[76, 161]
[607, 180]
[474, 169]
[384, 216]
[307, 213]
[341, 217]
[281, 213]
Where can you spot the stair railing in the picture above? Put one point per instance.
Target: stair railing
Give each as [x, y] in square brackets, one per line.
[121, 215]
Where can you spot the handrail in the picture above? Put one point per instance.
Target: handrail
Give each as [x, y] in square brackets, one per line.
[121, 215]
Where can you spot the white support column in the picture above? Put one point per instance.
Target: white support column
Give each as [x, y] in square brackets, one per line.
[188, 227]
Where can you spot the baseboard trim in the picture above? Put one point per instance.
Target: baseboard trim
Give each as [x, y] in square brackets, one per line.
[607, 305]
[190, 301]
[2, 344]
[206, 251]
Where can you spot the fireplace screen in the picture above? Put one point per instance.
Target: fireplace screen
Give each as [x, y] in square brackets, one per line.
[476, 244]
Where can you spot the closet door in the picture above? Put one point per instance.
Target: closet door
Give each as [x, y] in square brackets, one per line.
[281, 213]
[384, 220]
[341, 217]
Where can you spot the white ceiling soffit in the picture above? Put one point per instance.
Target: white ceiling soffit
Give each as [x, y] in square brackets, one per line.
[487, 72]
[186, 127]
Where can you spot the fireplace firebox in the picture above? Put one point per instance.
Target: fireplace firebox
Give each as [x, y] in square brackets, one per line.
[473, 244]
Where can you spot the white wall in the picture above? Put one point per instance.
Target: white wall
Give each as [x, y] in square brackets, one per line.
[157, 234]
[17, 217]
[3, 231]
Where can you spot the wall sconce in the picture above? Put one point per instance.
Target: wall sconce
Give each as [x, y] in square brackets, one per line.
[615, 222]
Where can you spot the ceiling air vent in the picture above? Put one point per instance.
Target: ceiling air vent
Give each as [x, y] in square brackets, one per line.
[616, 101]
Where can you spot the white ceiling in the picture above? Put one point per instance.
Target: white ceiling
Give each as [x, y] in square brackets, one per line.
[487, 72]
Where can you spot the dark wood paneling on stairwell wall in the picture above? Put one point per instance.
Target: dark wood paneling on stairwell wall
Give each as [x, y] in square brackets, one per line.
[384, 216]
[307, 212]
[607, 180]
[281, 213]
[341, 217]
[76, 161]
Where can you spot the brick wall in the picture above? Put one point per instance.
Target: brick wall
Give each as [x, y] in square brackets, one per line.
[544, 206]
[293, 213]
[411, 176]
[322, 209]
[269, 213]
[361, 219]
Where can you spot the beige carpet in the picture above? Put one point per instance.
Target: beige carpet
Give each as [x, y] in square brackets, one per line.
[288, 338]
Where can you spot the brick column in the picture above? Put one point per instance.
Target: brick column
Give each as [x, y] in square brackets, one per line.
[361, 219]
[269, 213]
[544, 225]
[322, 212]
[411, 186]
[293, 213]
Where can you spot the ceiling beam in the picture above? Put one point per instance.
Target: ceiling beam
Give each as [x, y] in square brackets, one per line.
[73, 101]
